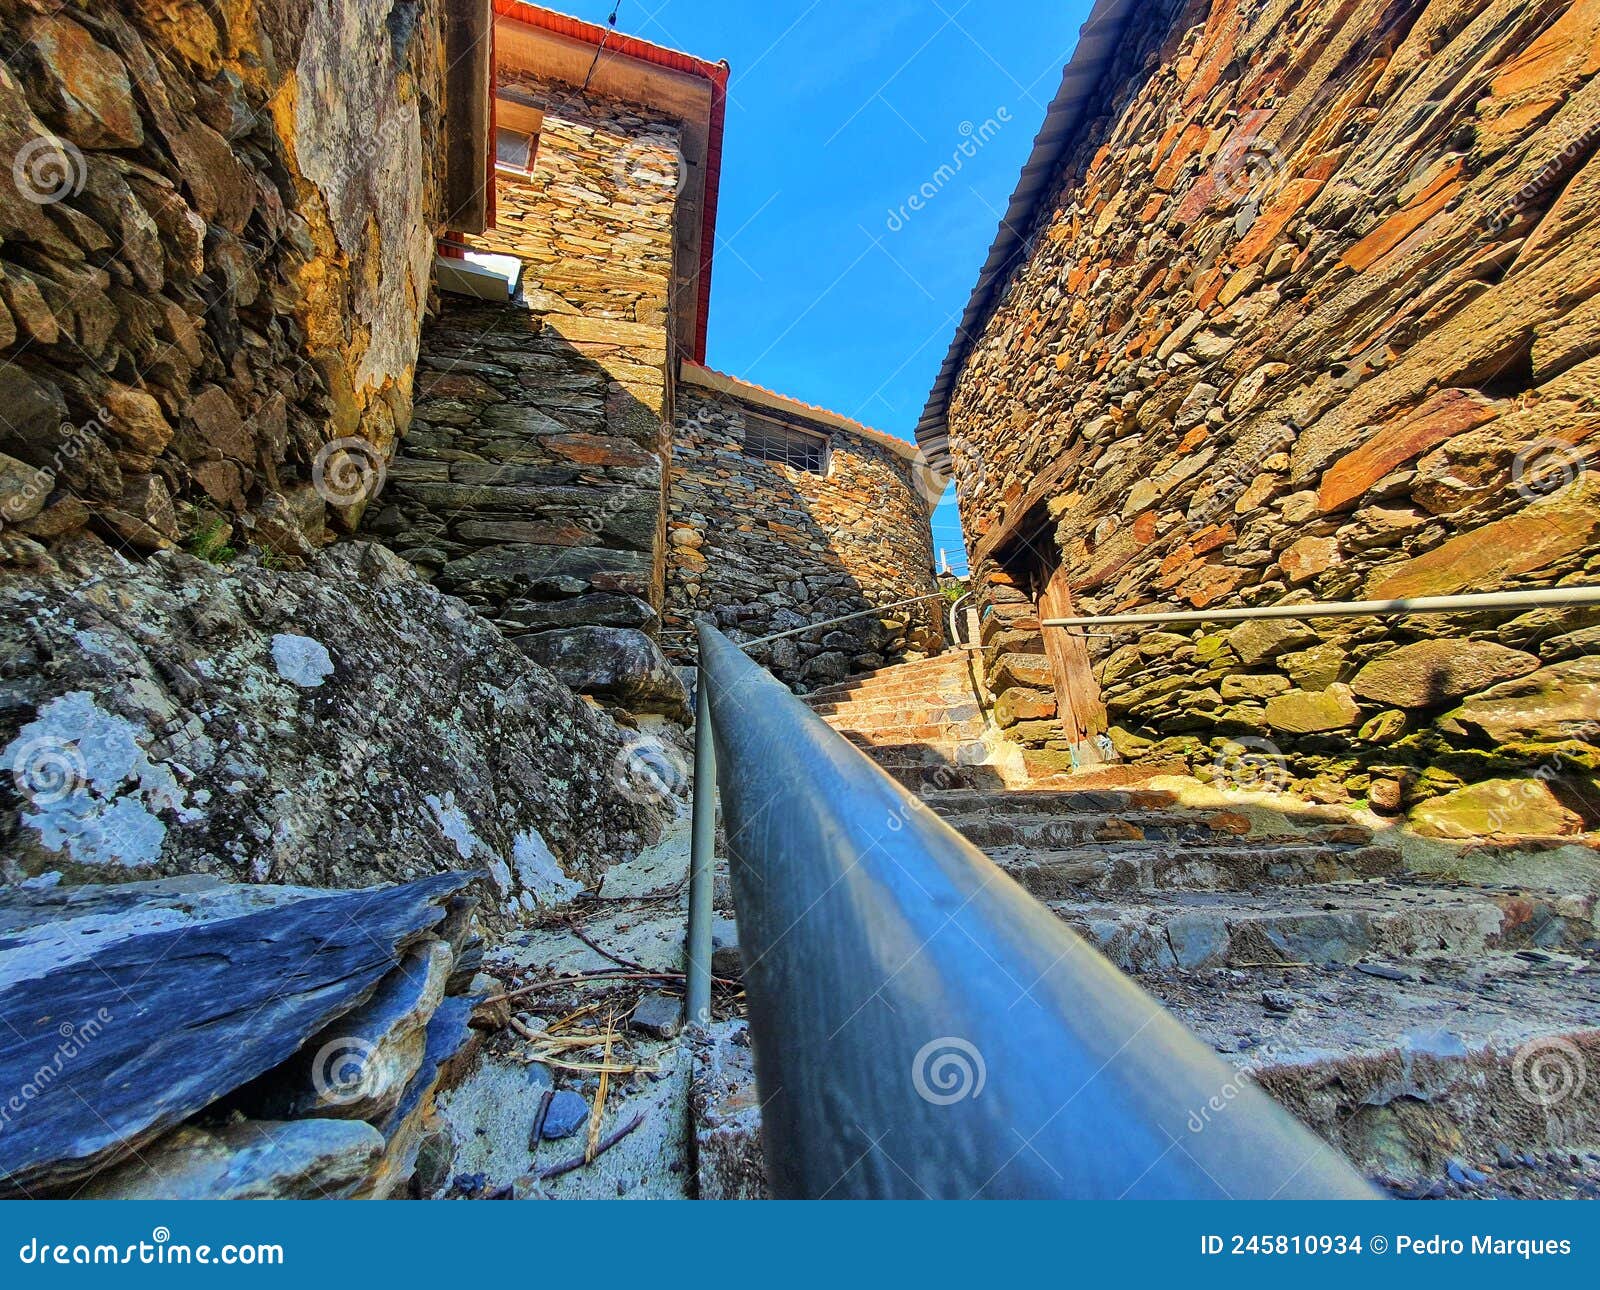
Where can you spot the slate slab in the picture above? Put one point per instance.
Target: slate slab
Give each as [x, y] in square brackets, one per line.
[131, 1010]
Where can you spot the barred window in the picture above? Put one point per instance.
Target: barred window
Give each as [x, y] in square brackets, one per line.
[774, 441]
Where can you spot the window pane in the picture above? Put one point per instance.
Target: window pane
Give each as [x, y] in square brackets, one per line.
[512, 148]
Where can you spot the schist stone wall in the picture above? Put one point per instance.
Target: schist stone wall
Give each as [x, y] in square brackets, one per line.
[765, 546]
[218, 234]
[1311, 313]
[531, 482]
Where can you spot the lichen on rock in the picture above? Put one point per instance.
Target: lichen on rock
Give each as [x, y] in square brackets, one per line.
[341, 726]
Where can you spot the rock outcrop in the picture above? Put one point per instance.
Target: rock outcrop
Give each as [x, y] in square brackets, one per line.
[335, 727]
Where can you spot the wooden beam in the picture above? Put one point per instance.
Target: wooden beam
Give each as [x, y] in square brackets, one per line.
[469, 51]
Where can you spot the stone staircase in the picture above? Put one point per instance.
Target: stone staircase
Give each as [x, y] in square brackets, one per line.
[920, 721]
[1445, 1036]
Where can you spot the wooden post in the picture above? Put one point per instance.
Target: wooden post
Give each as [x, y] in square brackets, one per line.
[1078, 707]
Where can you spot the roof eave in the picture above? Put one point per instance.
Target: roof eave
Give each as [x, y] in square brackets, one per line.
[1063, 123]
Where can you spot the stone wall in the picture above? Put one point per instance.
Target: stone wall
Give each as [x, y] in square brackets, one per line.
[1311, 314]
[218, 232]
[764, 547]
[531, 482]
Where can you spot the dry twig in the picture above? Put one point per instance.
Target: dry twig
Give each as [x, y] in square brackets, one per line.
[611, 1140]
[600, 1096]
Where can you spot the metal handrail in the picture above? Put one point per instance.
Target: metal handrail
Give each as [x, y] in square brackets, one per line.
[950, 617]
[842, 618]
[924, 1026]
[702, 846]
[1506, 601]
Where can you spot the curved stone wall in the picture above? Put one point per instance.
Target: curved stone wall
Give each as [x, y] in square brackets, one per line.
[218, 235]
[764, 546]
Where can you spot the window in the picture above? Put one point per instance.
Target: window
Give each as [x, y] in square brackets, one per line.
[513, 149]
[774, 441]
[516, 136]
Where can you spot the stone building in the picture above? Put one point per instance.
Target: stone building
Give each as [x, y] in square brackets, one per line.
[1293, 303]
[782, 514]
[253, 300]
[554, 428]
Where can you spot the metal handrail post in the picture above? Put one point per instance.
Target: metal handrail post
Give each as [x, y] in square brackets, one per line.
[922, 1026]
[702, 860]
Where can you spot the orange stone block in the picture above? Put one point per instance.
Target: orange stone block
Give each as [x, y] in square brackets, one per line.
[1484, 558]
[1206, 289]
[1401, 225]
[1274, 218]
[1176, 560]
[1212, 582]
[1567, 48]
[1441, 416]
[1193, 140]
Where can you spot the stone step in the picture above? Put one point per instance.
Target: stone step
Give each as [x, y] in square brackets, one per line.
[843, 711]
[1031, 801]
[1061, 829]
[1338, 923]
[1129, 867]
[895, 678]
[1477, 1061]
[911, 736]
[919, 715]
[922, 777]
[920, 752]
[952, 692]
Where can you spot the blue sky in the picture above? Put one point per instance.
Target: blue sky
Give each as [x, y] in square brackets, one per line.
[839, 112]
